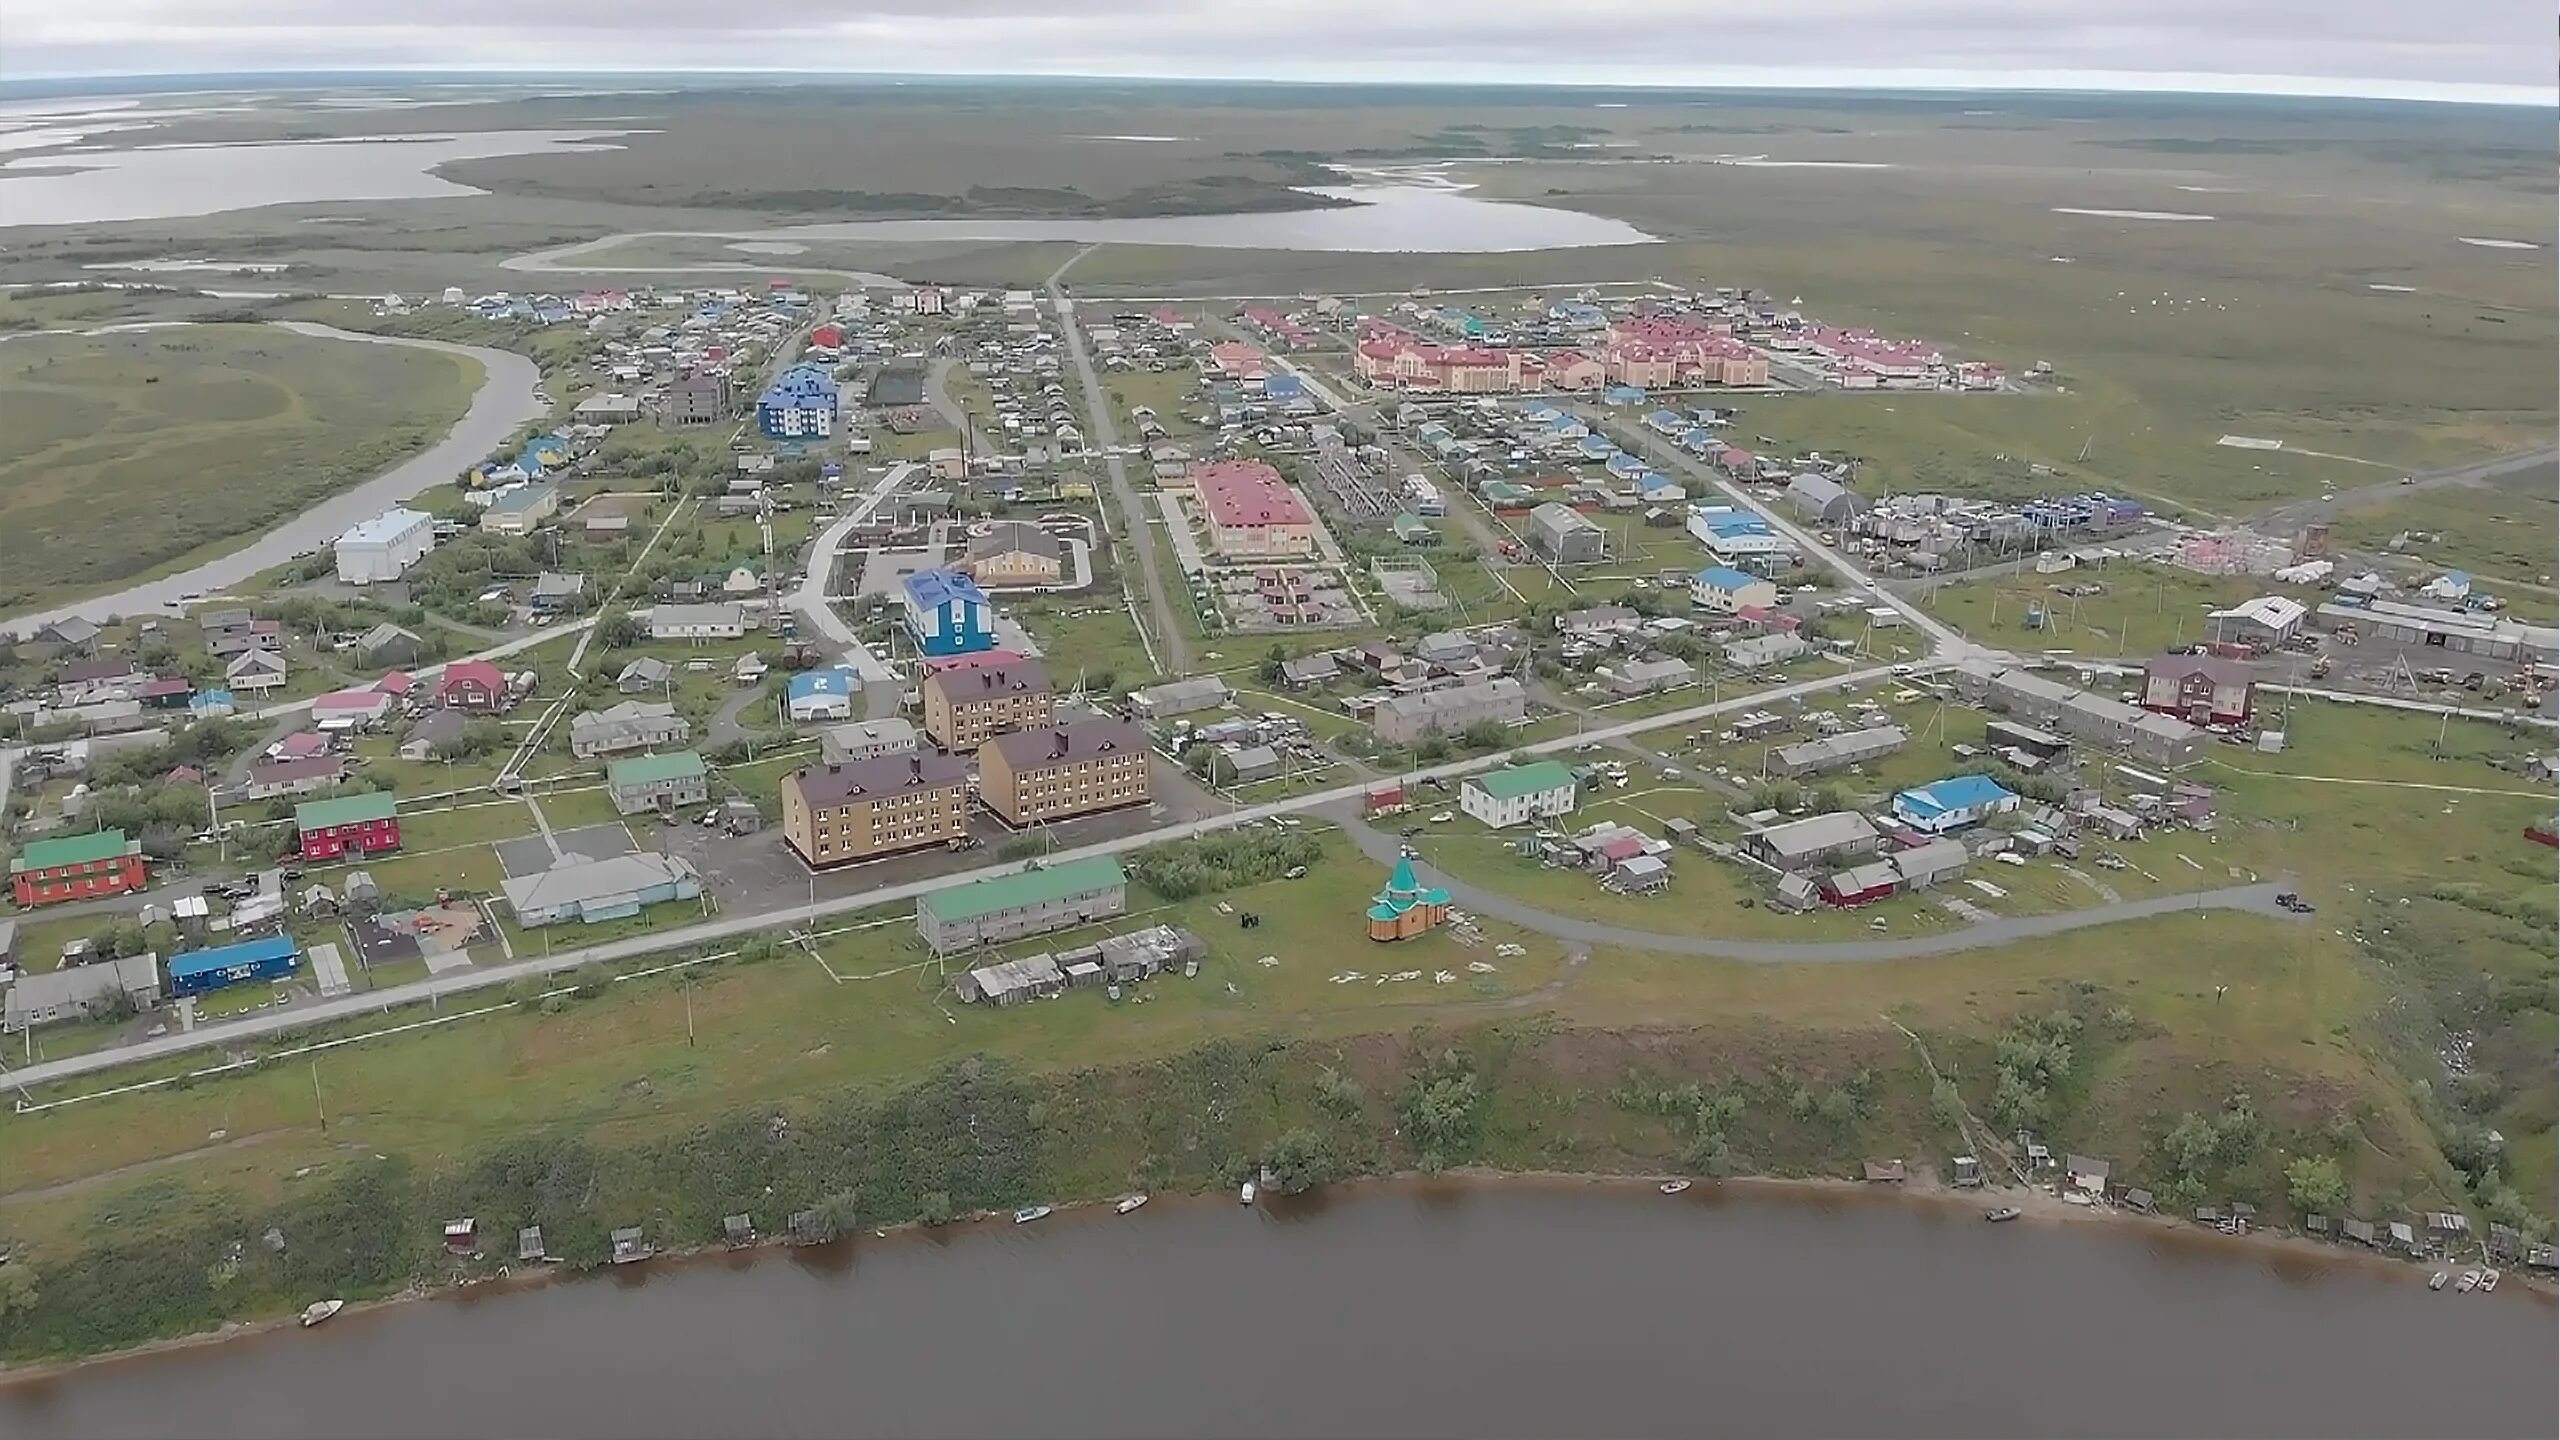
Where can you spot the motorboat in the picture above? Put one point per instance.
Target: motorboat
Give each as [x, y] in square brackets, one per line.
[2469, 1279]
[2488, 1281]
[1132, 1203]
[319, 1310]
[1029, 1213]
[1674, 1187]
[2005, 1212]
[2436, 1281]
[1244, 1196]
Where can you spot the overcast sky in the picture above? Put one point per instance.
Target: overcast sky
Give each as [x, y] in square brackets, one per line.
[2451, 49]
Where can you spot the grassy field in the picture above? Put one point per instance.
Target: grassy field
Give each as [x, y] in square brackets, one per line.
[2140, 612]
[2502, 534]
[126, 453]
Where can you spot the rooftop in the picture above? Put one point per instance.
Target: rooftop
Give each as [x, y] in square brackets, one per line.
[822, 785]
[389, 525]
[1070, 744]
[1243, 493]
[933, 589]
[1032, 887]
[345, 810]
[71, 850]
[1514, 781]
[654, 769]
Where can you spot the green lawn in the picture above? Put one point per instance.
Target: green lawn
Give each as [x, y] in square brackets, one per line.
[2141, 610]
[239, 425]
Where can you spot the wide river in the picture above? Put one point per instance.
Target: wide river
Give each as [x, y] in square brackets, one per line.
[1441, 1309]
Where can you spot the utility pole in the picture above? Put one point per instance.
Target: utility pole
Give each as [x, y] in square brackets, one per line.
[316, 1103]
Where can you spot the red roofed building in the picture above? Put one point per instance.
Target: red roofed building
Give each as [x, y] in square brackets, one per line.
[1395, 359]
[1573, 370]
[473, 685]
[1238, 361]
[1866, 353]
[1660, 351]
[1172, 319]
[1252, 512]
[827, 337]
[396, 684]
[1271, 322]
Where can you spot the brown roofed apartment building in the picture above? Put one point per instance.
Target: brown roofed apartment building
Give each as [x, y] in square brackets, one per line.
[1032, 776]
[835, 814]
[965, 704]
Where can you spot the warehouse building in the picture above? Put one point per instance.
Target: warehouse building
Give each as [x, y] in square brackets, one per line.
[1816, 840]
[383, 548]
[1010, 907]
[1836, 752]
[51, 997]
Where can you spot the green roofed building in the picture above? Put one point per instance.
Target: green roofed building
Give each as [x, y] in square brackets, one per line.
[1518, 794]
[1035, 902]
[657, 782]
[1407, 907]
[77, 867]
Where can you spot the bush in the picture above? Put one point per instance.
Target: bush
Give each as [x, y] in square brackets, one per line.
[2315, 1186]
[1300, 1160]
[1223, 861]
[1442, 1112]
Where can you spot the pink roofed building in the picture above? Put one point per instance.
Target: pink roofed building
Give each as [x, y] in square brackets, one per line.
[1867, 352]
[1237, 360]
[1573, 370]
[1666, 351]
[1252, 512]
[1394, 359]
[1280, 327]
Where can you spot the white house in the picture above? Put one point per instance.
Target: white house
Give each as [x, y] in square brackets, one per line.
[1518, 794]
[697, 622]
[821, 695]
[255, 671]
[384, 547]
[1725, 590]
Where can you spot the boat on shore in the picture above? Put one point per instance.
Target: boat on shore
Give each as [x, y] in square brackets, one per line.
[319, 1310]
[1674, 1187]
[2488, 1281]
[2005, 1212]
[1244, 1196]
[1132, 1203]
[2436, 1281]
[2469, 1279]
[1029, 1213]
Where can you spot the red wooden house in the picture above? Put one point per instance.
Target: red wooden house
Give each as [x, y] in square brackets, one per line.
[473, 685]
[77, 867]
[366, 824]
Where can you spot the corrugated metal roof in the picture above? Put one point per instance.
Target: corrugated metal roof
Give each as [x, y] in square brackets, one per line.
[1032, 887]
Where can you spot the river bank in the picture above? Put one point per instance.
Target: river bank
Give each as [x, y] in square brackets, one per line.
[2041, 1209]
[502, 402]
[1490, 1305]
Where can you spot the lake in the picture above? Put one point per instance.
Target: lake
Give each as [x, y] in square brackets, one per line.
[161, 182]
[1414, 1309]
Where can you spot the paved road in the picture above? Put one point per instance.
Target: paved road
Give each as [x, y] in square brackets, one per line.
[937, 393]
[2286, 519]
[1170, 630]
[2253, 899]
[503, 402]
[732, 927]
[810, 601]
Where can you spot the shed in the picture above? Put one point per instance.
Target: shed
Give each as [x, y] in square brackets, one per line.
[2086, 1174]
[529, 1245]
[629, 1245]
[1886, 1172]
[1640, 873]
[738, 1230]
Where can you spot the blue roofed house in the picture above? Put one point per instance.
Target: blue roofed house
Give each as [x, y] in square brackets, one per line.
[1952, 803]
[1625, 466]
[1738, 537]
[821, 695]
[1622, 395]
[799, 405]
[1665, 422]
[198, 972]
[1568, 427]
[948, 614]
[1659, 488]
[1698, 440]
[1596, 447]
[1726, 591]
[543, 454]
[1282, 386]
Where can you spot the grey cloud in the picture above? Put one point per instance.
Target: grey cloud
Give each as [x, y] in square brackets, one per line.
[2365, 46]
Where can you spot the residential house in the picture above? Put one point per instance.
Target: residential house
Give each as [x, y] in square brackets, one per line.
[1836, 752]
[630, 725]
[519, 509]
[1032, 776]
[866, 740]
[365, 824]
[231, 631]
[1754, 652]
[254, 671]
[1645, 677]
[846, 811]
[48, 997]
[276, 779]
[2203, 689]
[434, 736]
[1812, 842]
[1181, 697]
[1403, 719]
[1445, 651]
[1952, 804]
[591, 891]
[383, 548]
[1252, 512]
[699, 398]
[718, 620]
[388, 644]
[800, 404]
[2107, 721]
[557, 594]
[661, 782]
[1308, 672]
[1566, 535]
[350, 709]
[1010, 907]
[77, 867]
[1739, 538]
[1518, 794]
[947, 613]
[1013, 552]
[965, 704]
[476, 686]
[70, 635]
[643, 676]
[1598, 623]
[1725, 590]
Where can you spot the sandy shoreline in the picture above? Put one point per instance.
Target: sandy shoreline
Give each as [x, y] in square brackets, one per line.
[2039, 1207]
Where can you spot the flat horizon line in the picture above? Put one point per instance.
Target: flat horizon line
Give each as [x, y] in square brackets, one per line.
[2244, 87]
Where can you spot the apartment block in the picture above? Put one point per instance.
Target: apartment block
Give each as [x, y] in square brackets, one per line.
[836, 814]
[967, 702]
[1031, 776]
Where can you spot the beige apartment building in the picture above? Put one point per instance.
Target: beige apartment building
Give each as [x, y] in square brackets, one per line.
[969, 699]
[837, 814]
[1031, 776]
